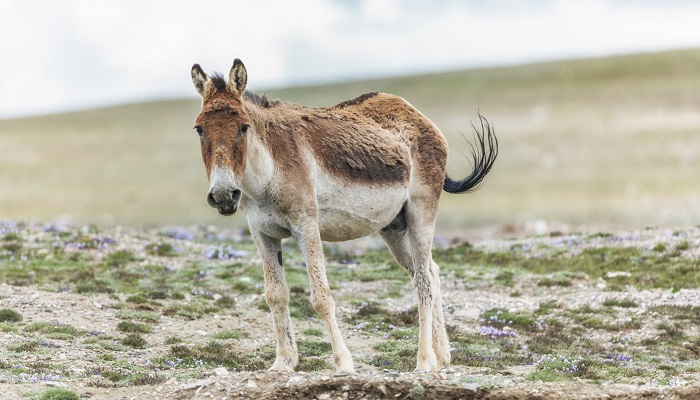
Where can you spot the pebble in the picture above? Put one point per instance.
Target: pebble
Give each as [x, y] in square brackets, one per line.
[616, 274]
[221, 371]
[55, 384]
[196, 384]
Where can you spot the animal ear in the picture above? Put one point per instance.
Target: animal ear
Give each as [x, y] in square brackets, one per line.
[200, 80]
[237, 78]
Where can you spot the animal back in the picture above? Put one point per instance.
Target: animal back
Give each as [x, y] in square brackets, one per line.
[359, 151]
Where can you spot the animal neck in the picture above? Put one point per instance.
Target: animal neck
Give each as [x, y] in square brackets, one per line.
[259, 165]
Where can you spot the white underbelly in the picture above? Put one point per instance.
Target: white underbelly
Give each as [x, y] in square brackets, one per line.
[351, 212]
[345, 212]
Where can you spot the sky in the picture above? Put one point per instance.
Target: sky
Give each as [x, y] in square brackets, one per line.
[73, 54]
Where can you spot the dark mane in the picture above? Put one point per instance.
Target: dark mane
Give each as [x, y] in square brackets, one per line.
[219, 82]
[356, 100]
[259, 100]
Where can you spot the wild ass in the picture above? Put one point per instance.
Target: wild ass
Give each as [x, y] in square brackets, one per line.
[371, 164]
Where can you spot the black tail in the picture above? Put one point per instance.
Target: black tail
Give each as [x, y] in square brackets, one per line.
[484, 155]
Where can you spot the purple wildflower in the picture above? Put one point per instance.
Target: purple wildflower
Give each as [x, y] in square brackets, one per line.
[179, 233]
[222, 252]
[361, 326]
[54, 228]
[8, 227]
[494, 332]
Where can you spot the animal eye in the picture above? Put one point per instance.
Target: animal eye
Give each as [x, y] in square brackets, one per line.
[198, 129]
[244, 128]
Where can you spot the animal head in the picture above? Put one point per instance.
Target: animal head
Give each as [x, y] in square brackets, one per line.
[222, 126]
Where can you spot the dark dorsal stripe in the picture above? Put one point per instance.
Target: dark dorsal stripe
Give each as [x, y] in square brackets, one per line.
[356, 100]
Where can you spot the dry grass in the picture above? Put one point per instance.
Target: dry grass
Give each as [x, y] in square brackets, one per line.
[604, 143]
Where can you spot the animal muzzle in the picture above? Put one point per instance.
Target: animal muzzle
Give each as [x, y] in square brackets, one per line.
[224, 194]
[225, 199]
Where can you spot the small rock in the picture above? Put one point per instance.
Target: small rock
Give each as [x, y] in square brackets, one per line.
[97, 305]
[55, 384]
[251, 384]
[202, 333]
[324, 396]
[471, 386]
[468, 313]
[615, 274]
[221, 371]
[196, 384]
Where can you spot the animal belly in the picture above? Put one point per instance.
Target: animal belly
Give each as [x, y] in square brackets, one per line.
[353, 213]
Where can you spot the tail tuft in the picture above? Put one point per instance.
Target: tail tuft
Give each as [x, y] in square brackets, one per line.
[483, 156]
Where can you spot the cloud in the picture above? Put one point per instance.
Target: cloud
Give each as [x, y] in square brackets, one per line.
[80, 53]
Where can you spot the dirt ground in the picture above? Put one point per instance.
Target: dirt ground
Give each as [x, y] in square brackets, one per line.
[97, 313]
[264, 385]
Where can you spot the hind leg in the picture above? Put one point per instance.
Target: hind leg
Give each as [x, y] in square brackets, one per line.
[441, 343]
[435, 350]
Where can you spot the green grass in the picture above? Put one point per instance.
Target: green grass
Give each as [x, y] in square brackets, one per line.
[193, 310]
[624, 303]
[376, 313]
[227, 334]
[8, 315]
[25, 346]
[59, 394]
[121, 258]
[500, 318]
[135, 340]
[216, 353]
[134, 327]
[225, 302]
[146, 316]
[173, 340]
[53, 330]
[161, 249]
[313, 332]
[647, 269]
[119, 378]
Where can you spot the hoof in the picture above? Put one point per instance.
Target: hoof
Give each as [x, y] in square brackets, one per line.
[427, 365]
[345, 369]
[281, 367]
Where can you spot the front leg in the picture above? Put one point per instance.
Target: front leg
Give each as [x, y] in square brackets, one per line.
[309, 239]
[277, 298]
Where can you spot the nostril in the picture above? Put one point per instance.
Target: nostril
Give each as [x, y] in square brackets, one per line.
[236, 195]
[211, 200]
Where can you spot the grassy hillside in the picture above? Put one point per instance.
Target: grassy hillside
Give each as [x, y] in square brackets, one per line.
[605, 143]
